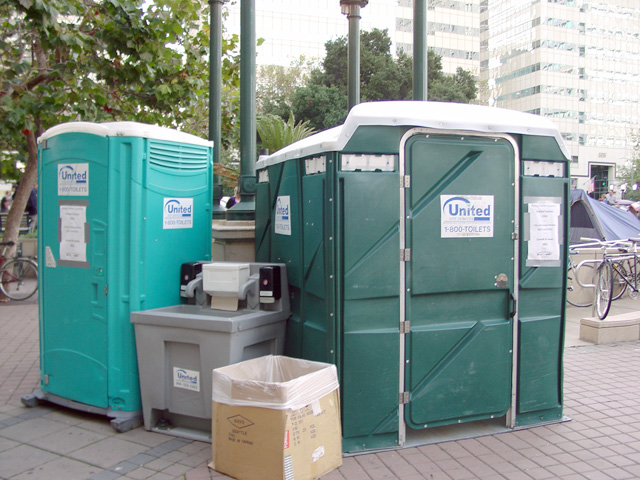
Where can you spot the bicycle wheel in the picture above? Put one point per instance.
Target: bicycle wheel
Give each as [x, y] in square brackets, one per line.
[604, 280]
[19, 279]
[577, 294]
[619, 285]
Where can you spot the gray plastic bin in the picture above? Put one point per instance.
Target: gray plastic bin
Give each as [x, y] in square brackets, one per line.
[179, 346]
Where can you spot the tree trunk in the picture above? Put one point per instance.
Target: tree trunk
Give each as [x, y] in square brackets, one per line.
[28, 180]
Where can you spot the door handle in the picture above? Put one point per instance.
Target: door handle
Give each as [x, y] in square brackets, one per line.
[514, 304]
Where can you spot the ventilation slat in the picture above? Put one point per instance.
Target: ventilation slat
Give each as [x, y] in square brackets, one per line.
[176, 156]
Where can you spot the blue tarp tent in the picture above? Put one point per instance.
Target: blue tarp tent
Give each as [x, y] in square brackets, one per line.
[593, 219]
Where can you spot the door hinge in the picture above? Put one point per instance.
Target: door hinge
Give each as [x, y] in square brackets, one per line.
[514, 236]
[403, 398]
[405, 181]
[46, 379]
[405, 327]
[405, 254]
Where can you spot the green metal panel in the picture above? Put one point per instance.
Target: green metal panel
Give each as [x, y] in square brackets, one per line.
[288, 248]
[375, 139]
[541, 315]
[369, 249]
[540, 350]
[459, 360]
[316, 319]
[285, 184]
[264, 206]
[541, 148]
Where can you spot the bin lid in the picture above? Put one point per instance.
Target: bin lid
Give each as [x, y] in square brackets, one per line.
[437, 115]
[125, 129]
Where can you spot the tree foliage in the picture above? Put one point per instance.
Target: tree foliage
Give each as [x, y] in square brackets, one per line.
[277, 84]
[275, 133]
[324, 100]
[630, 172]
[102, 60]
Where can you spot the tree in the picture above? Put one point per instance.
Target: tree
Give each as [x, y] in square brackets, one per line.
[277, 84]
[323, 107]
[630, 172]
[323, 101]
[65, 60]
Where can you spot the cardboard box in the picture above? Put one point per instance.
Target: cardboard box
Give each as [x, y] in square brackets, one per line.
[296, 435]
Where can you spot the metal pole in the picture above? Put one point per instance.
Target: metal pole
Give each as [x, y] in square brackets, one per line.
[215, 96]
[245, 209]
[354, 55]
[351, 8]
[420, 57]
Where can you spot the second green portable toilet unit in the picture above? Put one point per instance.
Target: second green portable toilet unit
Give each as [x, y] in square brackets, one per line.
[426, 254]
[121, 206]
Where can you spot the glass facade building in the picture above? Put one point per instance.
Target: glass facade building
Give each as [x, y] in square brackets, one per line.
[291, 28]
[575, 61]
[452, 32]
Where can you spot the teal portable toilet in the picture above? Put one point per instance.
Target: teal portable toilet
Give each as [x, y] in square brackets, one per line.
[121, 206]
[426, 249]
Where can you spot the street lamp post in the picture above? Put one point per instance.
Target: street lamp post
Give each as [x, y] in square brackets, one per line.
[245, 209]
[351, 8]
[215, 96]
[420, 58]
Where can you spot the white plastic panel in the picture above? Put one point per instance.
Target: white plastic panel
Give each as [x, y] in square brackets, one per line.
[368, 163]
[533, 168]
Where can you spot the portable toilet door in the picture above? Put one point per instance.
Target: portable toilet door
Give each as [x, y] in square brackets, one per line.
[459, 276]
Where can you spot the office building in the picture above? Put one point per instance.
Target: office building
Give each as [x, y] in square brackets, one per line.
[576, 62]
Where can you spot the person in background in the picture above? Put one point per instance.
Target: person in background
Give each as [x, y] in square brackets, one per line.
[5, 203]
[235, 199]
[611, 198]
[32, 209]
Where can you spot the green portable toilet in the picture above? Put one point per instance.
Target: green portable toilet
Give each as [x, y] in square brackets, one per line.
[426, 254]
[121, 206]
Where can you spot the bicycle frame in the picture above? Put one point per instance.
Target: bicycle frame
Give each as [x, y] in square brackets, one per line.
[610, 263]
[616, 263]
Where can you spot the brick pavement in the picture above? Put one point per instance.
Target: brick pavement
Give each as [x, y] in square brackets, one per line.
[601, 442]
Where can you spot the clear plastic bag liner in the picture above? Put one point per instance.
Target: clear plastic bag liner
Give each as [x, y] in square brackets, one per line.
[273, 381]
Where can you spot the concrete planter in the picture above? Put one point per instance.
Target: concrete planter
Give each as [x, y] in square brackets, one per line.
[233, 241]
[29, 246]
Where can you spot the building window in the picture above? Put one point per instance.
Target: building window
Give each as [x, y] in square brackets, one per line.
[404, 25]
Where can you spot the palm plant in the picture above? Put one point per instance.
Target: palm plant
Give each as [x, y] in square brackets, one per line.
[275, 133]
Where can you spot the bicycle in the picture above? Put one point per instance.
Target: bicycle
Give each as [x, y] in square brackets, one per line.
[615, 274]
[18, 276]
[579, 283]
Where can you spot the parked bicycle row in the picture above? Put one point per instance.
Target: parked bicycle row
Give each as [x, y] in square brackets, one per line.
[597, 282]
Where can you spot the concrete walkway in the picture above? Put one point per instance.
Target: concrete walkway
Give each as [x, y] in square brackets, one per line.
[601, 390]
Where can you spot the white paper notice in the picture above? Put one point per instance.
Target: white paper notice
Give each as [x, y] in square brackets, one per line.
[72, 237]
[544, 241]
